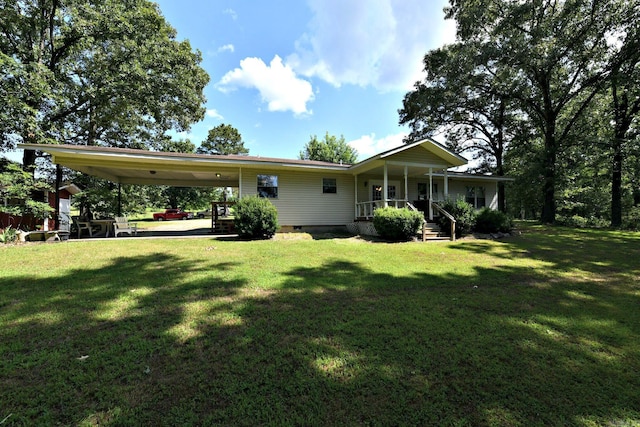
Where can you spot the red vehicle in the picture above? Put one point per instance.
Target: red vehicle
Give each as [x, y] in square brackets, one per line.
[172, 214]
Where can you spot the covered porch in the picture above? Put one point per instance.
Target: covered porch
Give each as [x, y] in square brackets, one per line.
[410, 176]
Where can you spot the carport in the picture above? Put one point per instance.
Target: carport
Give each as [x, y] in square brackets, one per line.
[129, 166]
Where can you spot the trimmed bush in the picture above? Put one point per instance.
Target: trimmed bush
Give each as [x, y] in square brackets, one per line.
[490, 221]
[397, 224]
[463, 212]
[256, 218]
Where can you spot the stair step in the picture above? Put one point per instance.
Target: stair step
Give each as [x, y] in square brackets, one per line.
[432, 231]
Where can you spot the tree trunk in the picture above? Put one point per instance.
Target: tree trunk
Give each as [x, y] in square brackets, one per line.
[616, 185]
[549, 186]
[29, 161]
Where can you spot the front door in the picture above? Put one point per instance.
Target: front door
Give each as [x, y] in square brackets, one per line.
[376, 191]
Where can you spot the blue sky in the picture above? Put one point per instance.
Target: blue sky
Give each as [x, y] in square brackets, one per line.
[283, 70]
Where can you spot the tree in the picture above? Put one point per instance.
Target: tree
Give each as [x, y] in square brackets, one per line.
[331, 149]
[223, 139]
[624, 87]
[466, 96]
[94, 72]
[558, 52]
[16, 191]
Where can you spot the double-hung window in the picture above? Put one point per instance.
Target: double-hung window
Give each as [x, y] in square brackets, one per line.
[329, 186]
[268, 186]
[475, 196]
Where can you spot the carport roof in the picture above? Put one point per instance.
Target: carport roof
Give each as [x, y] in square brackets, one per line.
[131, 166]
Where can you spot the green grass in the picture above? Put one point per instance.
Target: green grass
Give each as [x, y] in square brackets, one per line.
[540, 329]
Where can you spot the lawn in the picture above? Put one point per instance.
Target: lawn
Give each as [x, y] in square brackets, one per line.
[538, 329]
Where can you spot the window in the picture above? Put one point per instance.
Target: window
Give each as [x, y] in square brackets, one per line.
[268, 186]
[329, 186]
[475, 196]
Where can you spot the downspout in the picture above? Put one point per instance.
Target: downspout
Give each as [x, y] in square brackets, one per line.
[356, 196]
[385, 186]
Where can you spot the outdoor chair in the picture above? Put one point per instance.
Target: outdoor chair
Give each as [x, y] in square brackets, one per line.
[122, 225]
[81, 224]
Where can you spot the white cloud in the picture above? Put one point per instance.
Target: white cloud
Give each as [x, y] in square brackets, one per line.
[213, 113]
[232, 13]
[226, 48]
[368, 145]
[381, 45]
[278, 84]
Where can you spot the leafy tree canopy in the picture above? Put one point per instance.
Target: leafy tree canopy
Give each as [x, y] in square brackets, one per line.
[16, 189]
[94, 72]
[223, 139]
[331, 149]
[525, 71]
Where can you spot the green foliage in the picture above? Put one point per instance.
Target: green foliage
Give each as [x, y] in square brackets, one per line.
[8, 235]
[631, 221]
[492, 221]
[397, 224]
[223, 139]
[256, 217]
[464, 214]
[105, 73]
[18, 188]
[542, 69]
[578, 221]
[331, 149]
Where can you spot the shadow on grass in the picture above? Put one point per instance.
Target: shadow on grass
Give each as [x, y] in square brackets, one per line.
[172, 342]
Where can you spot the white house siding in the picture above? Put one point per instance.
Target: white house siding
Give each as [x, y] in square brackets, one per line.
[300, 199]
[417, 155]
[458, 189]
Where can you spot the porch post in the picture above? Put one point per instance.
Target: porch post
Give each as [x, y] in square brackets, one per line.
[240, 184]
[430, 193]
[356, 196]
[385, 186]
[406, 185]
[119, 211]
[446, 184]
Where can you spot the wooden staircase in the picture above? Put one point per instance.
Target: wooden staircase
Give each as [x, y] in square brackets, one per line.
[432, 231]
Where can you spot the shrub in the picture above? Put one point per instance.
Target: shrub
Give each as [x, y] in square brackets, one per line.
[256, 217]
[631, 221]
[490, 221]
[397, 224]
[578, 221]
[8, 235]
[463, 212]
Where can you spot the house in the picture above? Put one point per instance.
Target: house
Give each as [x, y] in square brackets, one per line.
[307, 194]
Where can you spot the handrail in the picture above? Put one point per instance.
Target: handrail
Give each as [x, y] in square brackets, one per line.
[452, 220]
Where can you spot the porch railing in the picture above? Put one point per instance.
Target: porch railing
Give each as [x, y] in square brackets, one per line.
[366, 209]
